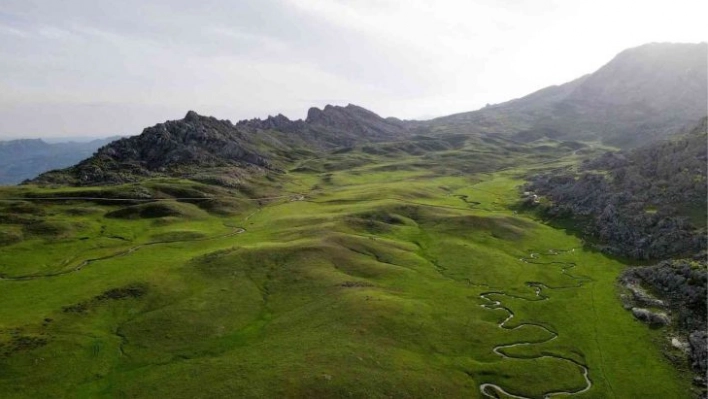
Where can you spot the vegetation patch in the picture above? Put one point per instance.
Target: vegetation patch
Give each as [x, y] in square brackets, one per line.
[225, 207]
[369, 286]
[9, 237]
[22, 343]
[175, 236]
[157, 210]
[133, 291]
[25, 208]
[82, 211]
[355, 284]
[49, 228]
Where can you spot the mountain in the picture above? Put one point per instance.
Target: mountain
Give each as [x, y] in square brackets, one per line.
[26, 158]
[187, 146]
[643, 94]
[646, 203]
[355, 123]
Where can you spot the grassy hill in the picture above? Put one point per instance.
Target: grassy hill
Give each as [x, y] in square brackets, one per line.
[378, 270]
[349, 255]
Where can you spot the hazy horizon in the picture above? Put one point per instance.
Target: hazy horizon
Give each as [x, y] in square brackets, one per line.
[80, 69]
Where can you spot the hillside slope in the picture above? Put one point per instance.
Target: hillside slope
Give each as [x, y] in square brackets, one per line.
[643, 94]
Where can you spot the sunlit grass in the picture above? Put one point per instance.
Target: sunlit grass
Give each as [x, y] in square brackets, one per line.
[369, 287]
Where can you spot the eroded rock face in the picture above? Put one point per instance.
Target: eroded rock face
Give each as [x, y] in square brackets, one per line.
[634, 204]
[680, 345]
[652, 318]
[698, 340]
[354, 120]
[187, 146]
[679, 288]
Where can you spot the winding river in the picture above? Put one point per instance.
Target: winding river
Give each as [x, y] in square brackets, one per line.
[492, 390]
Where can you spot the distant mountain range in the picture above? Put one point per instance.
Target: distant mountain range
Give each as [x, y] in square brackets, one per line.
[643, 94]
[25, 159]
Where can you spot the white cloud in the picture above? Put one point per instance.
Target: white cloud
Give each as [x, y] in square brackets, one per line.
[51, 32]
[247, 58]
[8, 30]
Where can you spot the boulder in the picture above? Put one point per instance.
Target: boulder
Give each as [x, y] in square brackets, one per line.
[698, 340]
[647, 316]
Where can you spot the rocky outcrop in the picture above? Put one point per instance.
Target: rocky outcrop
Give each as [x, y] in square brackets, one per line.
[279, 122]
[170, 148]
[682, 284]
[679, 288]
[652, 318]
[353, 124]
[699, 350]
[645, 203]
[183, 147]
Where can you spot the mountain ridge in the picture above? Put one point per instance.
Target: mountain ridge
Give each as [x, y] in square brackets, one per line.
[196, 141]
[624, 103]
[644, 93]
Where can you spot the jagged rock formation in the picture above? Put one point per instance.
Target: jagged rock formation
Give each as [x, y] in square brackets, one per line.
[355, 123]
[643, 94]
[333, 127]
[698, 341]
[179, 148]
[653, 318]
[647, 203]
[680, 283]
[169, 147]
[679, 287]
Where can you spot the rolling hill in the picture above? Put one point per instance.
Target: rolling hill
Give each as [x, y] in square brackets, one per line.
[350, 255]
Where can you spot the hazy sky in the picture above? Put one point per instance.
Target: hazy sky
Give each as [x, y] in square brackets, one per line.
[98, 68]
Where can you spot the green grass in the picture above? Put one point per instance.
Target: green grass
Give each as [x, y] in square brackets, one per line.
[369, 287]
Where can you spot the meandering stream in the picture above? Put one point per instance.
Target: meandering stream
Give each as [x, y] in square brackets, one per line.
[487, 389]
[492, 390]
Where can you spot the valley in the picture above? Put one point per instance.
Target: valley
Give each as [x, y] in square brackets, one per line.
[391, 277]
[549, 246]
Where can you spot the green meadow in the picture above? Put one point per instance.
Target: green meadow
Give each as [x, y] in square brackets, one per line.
[366, 276]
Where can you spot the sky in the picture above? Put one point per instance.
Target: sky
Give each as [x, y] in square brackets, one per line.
[98, 68]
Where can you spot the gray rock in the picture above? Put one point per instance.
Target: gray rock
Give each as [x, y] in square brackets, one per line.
[699, 350]
[647, 316]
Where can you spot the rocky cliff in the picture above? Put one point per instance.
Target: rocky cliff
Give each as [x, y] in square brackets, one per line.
[182, 147]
